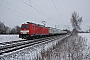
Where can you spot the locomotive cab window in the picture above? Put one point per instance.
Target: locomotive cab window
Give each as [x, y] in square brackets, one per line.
[25, 26]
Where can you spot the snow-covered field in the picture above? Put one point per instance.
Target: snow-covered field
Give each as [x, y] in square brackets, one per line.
[7, 38]
[33, 52]
[86, 36]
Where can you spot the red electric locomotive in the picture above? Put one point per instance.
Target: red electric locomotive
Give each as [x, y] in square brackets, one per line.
[32, 30]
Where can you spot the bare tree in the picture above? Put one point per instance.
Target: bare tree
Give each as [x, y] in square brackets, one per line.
[76, 21]
[15, 30]
[7, 30]
[2, 27]
[89, 30]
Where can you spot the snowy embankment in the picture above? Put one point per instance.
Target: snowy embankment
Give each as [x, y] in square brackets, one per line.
[31, 52]
[7, 38]
[86, 36]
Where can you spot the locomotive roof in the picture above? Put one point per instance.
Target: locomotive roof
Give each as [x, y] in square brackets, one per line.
[36, 24]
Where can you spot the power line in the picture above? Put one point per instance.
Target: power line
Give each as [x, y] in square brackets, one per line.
[35, 9]
[23, 10]
[26, 16]
[30, 2]
[40, 9]
[17, 11]
[20, 8]
[15, 6]
[56, 8]
[10, 9]
[12, 13]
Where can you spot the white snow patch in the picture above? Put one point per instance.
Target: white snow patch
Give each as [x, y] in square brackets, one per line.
[31, 52]
[87, 36]
[7, 38]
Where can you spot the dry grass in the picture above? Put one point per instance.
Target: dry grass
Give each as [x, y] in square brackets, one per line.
[71, 48]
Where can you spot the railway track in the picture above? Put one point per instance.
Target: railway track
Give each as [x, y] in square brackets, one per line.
[16, 45]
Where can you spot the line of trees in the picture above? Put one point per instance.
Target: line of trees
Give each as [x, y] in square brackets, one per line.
[7, 30]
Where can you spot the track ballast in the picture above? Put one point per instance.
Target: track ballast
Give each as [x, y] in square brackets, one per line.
[16, 45]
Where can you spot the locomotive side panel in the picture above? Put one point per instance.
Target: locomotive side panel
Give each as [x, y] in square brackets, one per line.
[32, 30]
[38, 31]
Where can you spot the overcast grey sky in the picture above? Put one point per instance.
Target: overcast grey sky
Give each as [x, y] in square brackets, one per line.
[54, 12]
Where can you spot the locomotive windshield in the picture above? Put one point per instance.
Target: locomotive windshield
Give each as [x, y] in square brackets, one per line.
[25, 26]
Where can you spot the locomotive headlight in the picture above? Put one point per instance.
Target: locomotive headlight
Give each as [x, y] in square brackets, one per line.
[24, 31]
[21, 32]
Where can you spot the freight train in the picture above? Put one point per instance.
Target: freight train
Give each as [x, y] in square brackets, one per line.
[31, 30]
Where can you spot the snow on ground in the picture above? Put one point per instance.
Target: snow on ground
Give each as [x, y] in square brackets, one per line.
[87, 36]
[7, 38]
[31, 52]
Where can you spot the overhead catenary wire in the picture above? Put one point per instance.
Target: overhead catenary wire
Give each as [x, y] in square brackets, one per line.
[30, 2]
[43, 11]
[13, 14]
[36, 9]
[22, 10]
[24, 14]
[17, 11]
[10, 9]
[40, 9]
[17, 7]
[56, 8]
[30, 6]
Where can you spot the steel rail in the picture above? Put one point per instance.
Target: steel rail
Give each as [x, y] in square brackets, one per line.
[25, 43]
